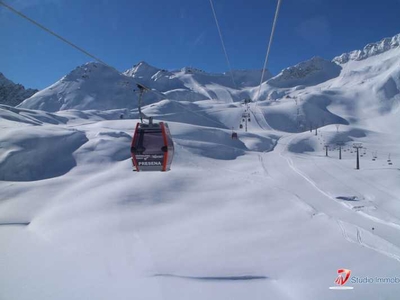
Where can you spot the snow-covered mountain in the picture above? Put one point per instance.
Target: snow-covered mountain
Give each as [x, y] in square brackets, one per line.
[12, 93]
[311, 72]
[165, 81]
[90, 86]
[96, 86]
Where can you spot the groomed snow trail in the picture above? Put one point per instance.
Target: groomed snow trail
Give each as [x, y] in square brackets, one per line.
[384, 241]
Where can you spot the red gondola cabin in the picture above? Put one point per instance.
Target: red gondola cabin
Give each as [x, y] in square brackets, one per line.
[152, 147]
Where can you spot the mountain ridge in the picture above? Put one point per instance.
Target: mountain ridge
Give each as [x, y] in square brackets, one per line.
[13, 93]
[369, 50]
[96, 86]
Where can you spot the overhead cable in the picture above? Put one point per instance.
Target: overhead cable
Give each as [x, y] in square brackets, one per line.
[222, 42]
[53, 33]
[269, 48]
[66, 41]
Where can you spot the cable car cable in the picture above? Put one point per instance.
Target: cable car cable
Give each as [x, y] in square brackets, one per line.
[269, 48]
[70, 43]
[53, 33]
[222, 42]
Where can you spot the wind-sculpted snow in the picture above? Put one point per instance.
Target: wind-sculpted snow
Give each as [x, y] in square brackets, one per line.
[303, 145]
[29, 116]
[38, 153]
[11, 115]
[389, 88]
[388, 92]
[105, 146]
[316, 109]
[310, 111]
[208, 142]
[184, 112]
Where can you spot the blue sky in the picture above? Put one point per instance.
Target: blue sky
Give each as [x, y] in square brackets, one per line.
[171, 34]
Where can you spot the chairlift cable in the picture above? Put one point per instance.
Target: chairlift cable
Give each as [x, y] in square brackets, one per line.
[222, 42]
[269, 48]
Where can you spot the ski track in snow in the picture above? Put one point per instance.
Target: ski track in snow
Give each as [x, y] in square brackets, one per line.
[267, 127]
[395, 222]
[355, 234]
[369, 183]
[261, 159]
[373, 244]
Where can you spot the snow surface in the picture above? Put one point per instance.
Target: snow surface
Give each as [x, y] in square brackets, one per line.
[267, 216]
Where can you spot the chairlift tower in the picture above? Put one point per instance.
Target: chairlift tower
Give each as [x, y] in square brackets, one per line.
[340, 144]
[326, 149]
[245, 119]
[357, 146]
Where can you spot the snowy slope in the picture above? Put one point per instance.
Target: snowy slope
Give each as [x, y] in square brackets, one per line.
[266, 216]
[191, 84]
[312, 72]
[233, 219]
[11, 93]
